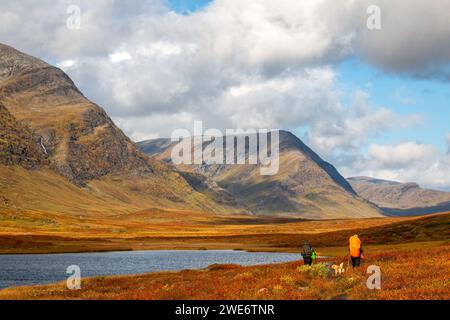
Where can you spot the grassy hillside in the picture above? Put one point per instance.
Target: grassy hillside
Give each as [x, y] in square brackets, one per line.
[57, 205]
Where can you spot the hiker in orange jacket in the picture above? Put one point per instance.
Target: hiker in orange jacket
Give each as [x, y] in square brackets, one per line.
[355, 250]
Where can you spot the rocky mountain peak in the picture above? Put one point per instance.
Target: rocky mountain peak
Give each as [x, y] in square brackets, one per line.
[82, 142]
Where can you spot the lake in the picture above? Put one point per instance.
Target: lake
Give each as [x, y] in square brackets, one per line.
[32, 269]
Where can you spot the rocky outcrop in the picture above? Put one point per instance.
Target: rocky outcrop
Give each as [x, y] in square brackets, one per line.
[18, 145]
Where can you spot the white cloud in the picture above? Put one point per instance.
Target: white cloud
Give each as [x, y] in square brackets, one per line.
[405, 162]
[66, 64]
[263, 34]
[340, 135]
[119, 56]
[163, 49]
[448, 143]
[413, 39]
[241, 64]
[401, 155]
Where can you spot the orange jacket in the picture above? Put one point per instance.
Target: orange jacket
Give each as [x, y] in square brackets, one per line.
[355, 246]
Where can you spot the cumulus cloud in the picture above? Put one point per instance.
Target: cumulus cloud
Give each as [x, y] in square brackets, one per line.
[40, 28]
[405, 162]
[413, 39]
[339, 135]
[401, 155]
[264, 35]
[253, 63]
[239, 64]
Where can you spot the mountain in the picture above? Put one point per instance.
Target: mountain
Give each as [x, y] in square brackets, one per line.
[305, 186]
[401, 198]
[82, 142]
[48, 126]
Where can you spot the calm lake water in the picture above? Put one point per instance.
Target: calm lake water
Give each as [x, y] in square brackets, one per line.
[20, 270]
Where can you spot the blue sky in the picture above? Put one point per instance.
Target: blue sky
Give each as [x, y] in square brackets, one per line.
[406, 96]
[186, 6]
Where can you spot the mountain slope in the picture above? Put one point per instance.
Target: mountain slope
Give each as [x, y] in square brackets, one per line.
[396, 197]
[56, 126]
[305, 185]
[18, 145]
[81, 139]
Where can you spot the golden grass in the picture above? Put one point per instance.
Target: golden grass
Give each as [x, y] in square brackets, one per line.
[407, 250]
[408, 273]
[54, 197]
[41, 232]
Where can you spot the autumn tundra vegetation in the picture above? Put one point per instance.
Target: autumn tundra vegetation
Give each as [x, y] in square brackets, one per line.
[405, 275]
[405, 251]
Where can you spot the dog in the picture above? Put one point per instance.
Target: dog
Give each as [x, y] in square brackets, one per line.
[338, 269]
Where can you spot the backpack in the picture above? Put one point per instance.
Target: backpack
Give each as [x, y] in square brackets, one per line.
[307, 250]
[355, 246]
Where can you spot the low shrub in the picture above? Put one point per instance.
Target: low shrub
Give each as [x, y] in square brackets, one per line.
[315, 270]
[287, 279]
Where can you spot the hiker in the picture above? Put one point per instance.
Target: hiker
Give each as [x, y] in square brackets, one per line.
[355, 250]
[308, 253]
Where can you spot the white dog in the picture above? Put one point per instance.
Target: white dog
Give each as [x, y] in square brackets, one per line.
[338, 269]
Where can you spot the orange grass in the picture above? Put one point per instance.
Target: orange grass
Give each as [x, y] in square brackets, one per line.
[419, 273]
[164, 229]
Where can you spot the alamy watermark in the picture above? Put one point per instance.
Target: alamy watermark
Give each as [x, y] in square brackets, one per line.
[74, 280]
[374, 17]
[374, 280]
[234, 147]
[74, 20]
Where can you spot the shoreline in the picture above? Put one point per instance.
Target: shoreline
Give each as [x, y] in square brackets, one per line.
[331, 251]
[165, 267]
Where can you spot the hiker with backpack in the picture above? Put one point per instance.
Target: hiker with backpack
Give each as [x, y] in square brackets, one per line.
[355, 250]
[308, 253]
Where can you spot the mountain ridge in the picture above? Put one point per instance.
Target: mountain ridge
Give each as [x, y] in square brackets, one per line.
[401, 198]
[306, 185]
